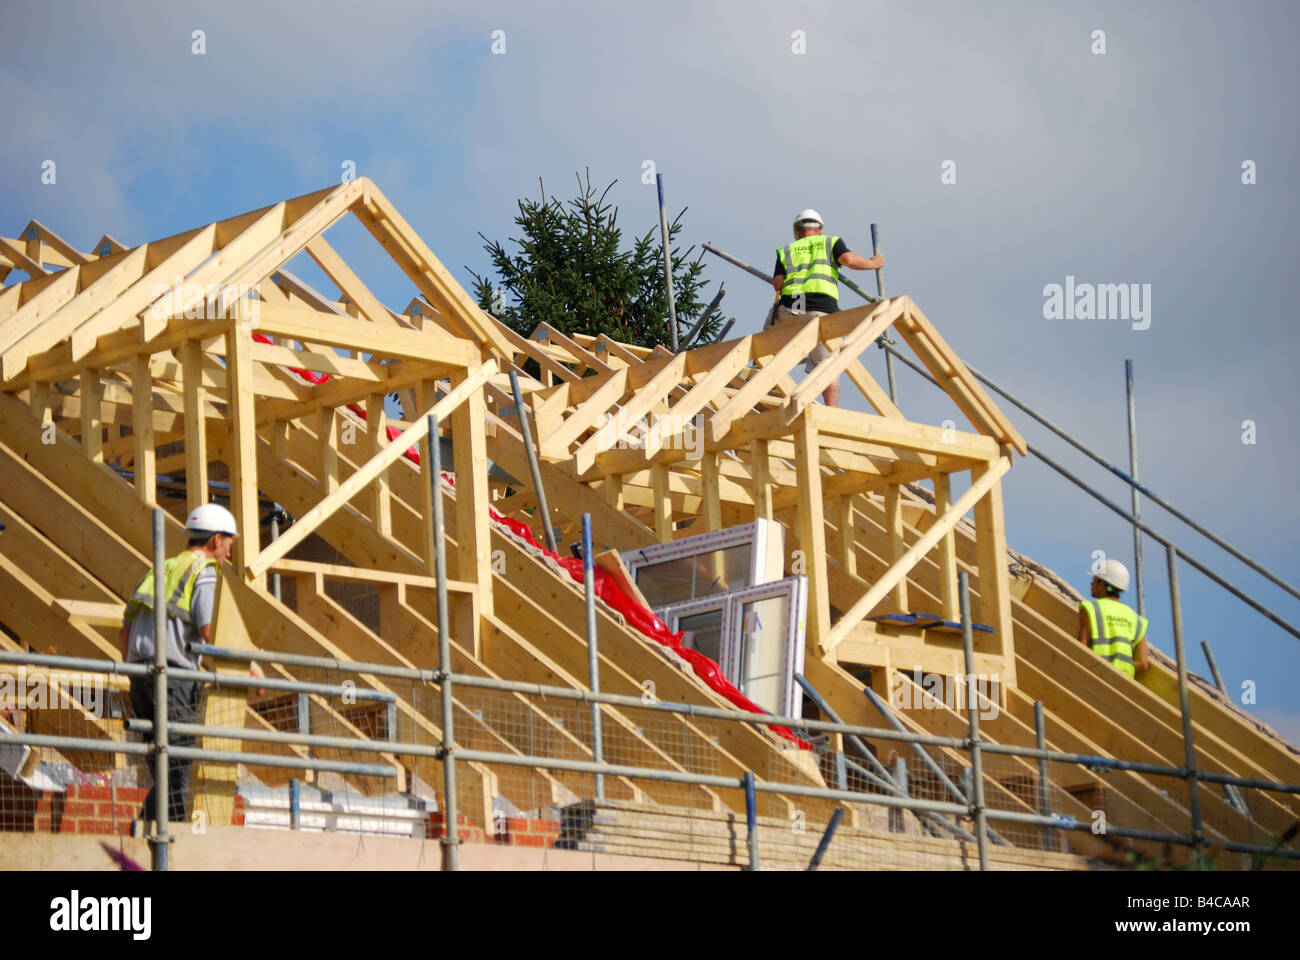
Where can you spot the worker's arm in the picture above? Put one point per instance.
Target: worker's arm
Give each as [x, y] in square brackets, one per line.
[1143, 658]
[778, 282]
[1085, 629]
[856, 261]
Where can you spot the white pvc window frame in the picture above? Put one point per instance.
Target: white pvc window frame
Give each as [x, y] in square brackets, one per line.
[733, 646]
[766, 540]
[734, 649]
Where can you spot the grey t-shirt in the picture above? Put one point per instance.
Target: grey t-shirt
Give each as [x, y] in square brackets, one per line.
[179, 633]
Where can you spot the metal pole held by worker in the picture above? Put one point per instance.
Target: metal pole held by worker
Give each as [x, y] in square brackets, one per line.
[880, 291]
[1137, 497]
[668, 262]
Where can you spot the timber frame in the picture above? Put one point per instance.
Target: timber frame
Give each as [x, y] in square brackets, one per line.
[126, 372]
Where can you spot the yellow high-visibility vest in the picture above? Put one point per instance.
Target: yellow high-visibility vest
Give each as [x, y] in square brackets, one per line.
[809, 267]
[182, 571]
[1116, 630]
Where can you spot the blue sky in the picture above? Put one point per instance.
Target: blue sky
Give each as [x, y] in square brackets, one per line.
[1117, 168]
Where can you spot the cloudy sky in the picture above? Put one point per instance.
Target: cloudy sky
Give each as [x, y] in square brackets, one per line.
[1117, 167]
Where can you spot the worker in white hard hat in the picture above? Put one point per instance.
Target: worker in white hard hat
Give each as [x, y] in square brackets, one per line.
[806, 279]
[190, 587]
[1110, 628]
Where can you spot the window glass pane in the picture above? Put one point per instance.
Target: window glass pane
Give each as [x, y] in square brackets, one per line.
[704, 632]
[763, 671]
[703, 575]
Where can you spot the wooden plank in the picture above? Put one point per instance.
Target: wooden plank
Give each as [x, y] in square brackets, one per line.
[905, 434]
[327, 430]
[614, 491]
[196, 431]
[848, 554]
[473, 522]
[241, 450]
[711, 507]
[951, 609]
[142, 434]
[811, 530]
[381, 514]
[349, 284]
[314, 326]
[877, 397]
[91, 613]
[759, 457]
[92, 439]
[882, 587]
[663, 506]
[991, 547]
[39, 309]
[897, 544]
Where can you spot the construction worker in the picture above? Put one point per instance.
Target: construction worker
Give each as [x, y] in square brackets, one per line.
[1110, 628]
[190, 586]
[806, 281]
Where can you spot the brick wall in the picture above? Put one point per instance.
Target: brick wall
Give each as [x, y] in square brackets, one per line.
[82, 809]
[518, 831]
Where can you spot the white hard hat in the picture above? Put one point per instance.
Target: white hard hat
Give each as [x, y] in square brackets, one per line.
[1114, 573]
[211, 518]
[808, 216]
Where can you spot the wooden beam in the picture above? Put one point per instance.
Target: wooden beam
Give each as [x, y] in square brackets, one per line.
[473, 521]
[142, 437]
[663, 505]
[947, 552]
[897, 543]
[848, 553]
[903, 434]
[314, 326]
[241, 450]
[991, 548]
[381, 514]
[196, 435]
[759, 457]
[812, 532]
[711, 507]
[349, 284]
[92, 437]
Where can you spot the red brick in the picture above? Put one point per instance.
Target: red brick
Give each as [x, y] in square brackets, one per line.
[237, 818]
[106, 809]
[84, 792]
[93, 826]
[527, 840]
[79, 808]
